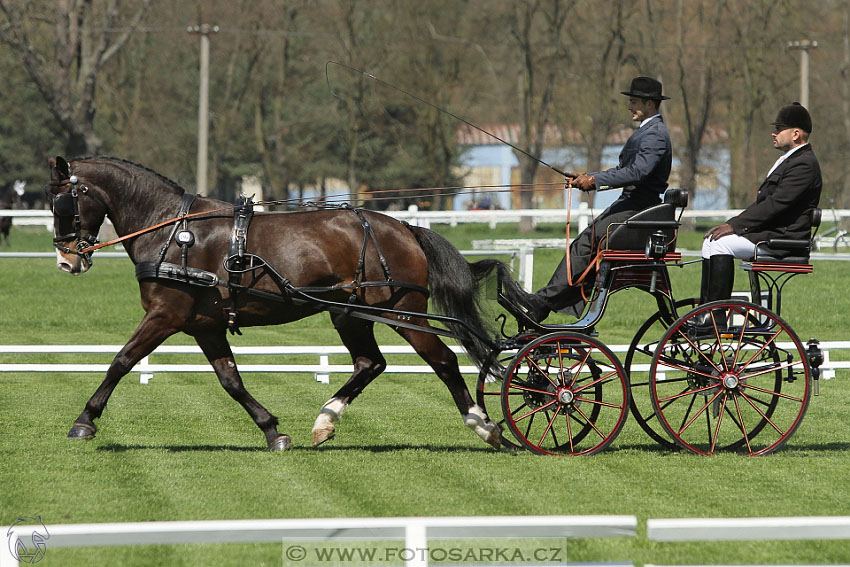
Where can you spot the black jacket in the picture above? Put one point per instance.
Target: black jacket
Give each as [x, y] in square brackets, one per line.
[645, 162]
[785, 201]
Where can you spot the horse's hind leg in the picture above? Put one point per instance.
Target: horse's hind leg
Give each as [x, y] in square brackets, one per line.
[218, 352]
[445, 365]
[359, 339]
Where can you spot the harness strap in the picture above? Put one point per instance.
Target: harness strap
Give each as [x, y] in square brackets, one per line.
[243, 212]
[168, 271]
[185, 204]
[368, 234]
[203, 278]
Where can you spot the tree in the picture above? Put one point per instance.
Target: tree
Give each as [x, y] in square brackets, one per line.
[603, 52]
[535, 96]
[697, 68]
[83, 42]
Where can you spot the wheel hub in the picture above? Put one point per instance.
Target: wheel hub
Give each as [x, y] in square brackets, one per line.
[566, 396]
[730, 381]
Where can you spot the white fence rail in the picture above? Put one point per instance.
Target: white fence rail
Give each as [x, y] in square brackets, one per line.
[414, 532]
[737, 529]
[423, 218]
[321, 370]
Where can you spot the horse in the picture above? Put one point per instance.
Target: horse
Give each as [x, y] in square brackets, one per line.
[360, 266]
[10, 196]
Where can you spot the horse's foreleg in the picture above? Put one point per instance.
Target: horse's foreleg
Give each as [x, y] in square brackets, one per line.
[218, 352]
[154, 328]
[358, 338]
[444, 362]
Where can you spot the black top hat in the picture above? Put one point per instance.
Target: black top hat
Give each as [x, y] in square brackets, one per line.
[794, 115]
[645, 87]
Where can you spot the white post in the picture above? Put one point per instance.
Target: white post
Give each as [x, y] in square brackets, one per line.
[526, 267]
[6, 557]
[416, 545]
[204, 31]
[804, 46]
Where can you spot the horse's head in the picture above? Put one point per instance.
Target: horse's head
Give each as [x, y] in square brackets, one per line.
[77, 215]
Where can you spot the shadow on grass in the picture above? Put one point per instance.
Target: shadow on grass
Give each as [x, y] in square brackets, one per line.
[120, 448]
[807, 450]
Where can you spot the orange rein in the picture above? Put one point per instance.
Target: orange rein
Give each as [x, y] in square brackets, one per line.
[592, 264]
[149, 229]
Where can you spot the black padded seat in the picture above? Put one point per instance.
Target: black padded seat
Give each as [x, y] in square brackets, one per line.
[776, 250]
[646, 222]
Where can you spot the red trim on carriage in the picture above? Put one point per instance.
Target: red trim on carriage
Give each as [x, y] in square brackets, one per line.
[788, 267]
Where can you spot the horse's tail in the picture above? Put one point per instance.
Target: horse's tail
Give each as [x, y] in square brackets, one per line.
[454, 284]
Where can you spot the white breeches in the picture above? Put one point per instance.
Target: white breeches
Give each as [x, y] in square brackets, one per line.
[732, 244]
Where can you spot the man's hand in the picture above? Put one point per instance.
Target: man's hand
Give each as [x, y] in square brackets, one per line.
[584, 182]
[719, 231]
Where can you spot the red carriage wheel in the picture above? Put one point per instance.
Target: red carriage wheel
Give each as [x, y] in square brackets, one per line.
[730, 375]
[565, 394]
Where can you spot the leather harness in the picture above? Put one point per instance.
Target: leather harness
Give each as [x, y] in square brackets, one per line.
[240, 262]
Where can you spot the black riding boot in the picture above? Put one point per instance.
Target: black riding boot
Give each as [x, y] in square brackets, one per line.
[721, 278]
[718, 278]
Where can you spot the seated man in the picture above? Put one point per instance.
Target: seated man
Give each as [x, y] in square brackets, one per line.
[782, 208]
[643, 169]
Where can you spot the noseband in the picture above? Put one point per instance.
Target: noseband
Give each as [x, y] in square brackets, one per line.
[67, 205]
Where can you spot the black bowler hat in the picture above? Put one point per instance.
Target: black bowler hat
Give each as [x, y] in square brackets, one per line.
[794, 115]
[645, 87]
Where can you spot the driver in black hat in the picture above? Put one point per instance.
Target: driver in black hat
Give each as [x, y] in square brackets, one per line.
[643, 169]
[782, 209]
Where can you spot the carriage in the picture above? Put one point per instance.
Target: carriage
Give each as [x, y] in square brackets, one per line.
[741, 383]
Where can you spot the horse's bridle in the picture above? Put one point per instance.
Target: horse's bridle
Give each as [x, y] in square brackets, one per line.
[67, 205]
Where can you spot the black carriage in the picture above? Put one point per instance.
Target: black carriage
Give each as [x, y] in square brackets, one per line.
[741, 382]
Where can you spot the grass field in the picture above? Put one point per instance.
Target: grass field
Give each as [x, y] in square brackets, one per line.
[181, 449]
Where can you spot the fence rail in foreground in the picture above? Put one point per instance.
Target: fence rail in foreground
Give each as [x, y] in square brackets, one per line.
[414, 532]
[321, 370]
[734, 529]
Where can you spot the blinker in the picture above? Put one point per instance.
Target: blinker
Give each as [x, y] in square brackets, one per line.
[63, 205]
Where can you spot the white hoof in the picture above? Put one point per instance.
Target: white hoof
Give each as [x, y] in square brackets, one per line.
[477, 420]
[323, 428]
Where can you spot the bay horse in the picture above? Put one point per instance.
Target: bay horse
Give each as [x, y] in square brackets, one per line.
[362, 260]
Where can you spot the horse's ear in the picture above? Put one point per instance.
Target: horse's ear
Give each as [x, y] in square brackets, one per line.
[59, 169]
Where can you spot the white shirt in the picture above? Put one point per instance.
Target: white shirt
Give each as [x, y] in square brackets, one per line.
[648, 119]
[783, 157]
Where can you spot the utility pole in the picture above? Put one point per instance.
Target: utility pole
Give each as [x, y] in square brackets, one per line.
[803, 46]
[203, 30]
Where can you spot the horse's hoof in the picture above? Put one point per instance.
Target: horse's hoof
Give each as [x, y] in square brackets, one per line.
[282, 443]
[82, 431]
[322, 435]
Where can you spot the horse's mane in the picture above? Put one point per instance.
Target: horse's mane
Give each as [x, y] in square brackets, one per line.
[121, 161]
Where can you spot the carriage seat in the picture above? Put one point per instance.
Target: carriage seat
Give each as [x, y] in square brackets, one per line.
[634, 233]
[774, 251]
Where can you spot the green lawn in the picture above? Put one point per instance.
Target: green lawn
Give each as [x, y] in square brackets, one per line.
[181, 449]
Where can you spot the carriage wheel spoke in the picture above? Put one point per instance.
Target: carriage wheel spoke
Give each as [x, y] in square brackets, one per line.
[699, 412]
[741, 425]
[549, 428]
[719, 421]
